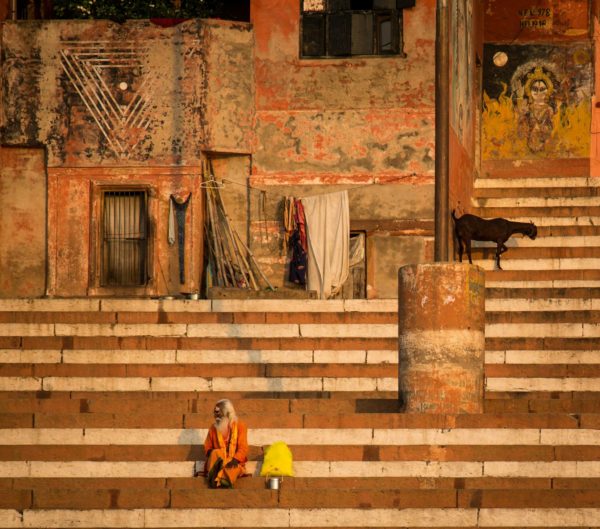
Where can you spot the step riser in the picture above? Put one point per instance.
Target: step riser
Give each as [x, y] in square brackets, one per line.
[304, 517]
[533, 202]
[307, 436]
[509, 263]
[562, 182]
[312, 469]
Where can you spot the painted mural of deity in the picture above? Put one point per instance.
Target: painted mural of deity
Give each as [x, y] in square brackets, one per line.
[536, 109]
[536, 102]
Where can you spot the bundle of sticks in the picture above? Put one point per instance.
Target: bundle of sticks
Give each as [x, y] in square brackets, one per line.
[230, 262]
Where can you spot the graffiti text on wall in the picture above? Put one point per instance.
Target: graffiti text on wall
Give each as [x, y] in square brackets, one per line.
[536, 102]
[536, 18]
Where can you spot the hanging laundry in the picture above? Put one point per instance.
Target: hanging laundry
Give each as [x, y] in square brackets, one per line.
[298, 262]
[180, 207]
[289, 223]
[300, 219]
[328, 237]
[295, 234]
[171, 225]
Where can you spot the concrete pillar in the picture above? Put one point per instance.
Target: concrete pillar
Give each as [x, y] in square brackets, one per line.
[441, 325]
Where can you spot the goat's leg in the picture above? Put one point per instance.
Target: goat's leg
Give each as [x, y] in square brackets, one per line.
[502, 248]
[460, 249]
[468, 247]
[498, 252]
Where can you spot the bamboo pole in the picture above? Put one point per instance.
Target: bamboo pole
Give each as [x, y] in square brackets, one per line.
[245, 268]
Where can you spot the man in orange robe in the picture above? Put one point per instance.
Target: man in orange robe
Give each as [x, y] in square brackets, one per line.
[226, 447]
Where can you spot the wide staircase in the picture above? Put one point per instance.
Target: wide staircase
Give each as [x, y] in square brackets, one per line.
[104, 405]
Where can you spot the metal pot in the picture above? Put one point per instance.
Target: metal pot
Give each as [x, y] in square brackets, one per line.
[273, 483]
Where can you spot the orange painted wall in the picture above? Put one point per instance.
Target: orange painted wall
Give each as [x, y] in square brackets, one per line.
[22, 222]
[595, 132]
[361, 123]
[521, 20]
[144, 120]
[464, 136]
[73, 235]
[348, 117]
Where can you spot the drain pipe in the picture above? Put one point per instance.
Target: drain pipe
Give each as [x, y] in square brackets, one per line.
[442, 120]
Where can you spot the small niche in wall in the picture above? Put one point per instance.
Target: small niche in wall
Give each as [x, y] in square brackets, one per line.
[355, 286]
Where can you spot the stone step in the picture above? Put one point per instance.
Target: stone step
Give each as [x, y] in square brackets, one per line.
[542, 330]
[539, 182]
[543, 242]
[547, 223]
[521, 250]
[526, 429]
[186, 453]
[524, 261]
[553, 214]
[566, 231]
[549, 192]
[187, 306]
[181, 402]
[198, 356]
[536, 315]
[273, 385]
[541, 199]
[533, 279]
[299, 483]
[202, 330]
[295, 497]
[286, 517]
[499, 295]
[516, 285]
[318, 419]
[526, 356]
[551, 404]
[580, 468]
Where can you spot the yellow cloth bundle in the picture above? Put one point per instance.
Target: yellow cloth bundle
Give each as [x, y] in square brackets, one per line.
[277, 460]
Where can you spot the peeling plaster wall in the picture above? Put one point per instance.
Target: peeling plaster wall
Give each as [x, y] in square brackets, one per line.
[329, 124]
[228, 49]
[101, 93]
[466, 51]
[124, 105]
[22, 222]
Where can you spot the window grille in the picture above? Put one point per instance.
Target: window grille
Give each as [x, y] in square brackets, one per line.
[124, 238]
[338, 28]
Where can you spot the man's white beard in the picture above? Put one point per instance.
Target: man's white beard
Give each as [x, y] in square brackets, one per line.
[222, 425]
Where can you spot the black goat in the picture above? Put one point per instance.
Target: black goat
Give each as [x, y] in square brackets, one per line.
[473, 228]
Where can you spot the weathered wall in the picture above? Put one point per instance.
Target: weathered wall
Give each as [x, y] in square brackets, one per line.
[595, 135]
[466, 51]
[73, 242]
[22, 222]
[132, 104]
[538, 84]
[330, 124]
[229, 87]
[99, 93]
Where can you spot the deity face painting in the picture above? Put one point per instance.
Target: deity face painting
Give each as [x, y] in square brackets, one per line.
[539, 92]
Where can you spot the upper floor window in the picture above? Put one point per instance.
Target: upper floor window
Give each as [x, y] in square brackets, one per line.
[341, 28]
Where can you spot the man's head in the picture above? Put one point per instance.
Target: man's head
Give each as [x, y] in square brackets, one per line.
[224, 414]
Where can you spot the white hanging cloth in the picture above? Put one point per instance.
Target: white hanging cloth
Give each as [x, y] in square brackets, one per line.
[328, 237]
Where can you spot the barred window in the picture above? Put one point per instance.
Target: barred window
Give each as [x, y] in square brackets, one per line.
[124, 238]
[342, 28]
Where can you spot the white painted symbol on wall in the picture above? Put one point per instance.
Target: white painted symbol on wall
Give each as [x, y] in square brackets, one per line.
[116, 87]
